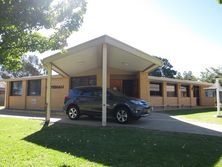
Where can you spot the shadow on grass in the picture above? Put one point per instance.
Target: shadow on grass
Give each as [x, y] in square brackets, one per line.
[130, 146]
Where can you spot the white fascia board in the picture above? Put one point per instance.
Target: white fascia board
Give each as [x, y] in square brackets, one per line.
[100, 40]
[29, 78]
[73, 50]
[153, 78]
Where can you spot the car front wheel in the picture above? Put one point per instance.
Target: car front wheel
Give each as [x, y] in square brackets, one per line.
[73, 113]
[122, 115]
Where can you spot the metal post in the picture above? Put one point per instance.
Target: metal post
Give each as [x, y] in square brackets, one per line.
[218, 96]
[48, 94]
[104, 84]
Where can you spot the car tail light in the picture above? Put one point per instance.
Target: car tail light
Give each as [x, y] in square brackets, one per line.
[66, 99]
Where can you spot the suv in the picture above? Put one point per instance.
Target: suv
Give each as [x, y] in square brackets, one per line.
[88, 101]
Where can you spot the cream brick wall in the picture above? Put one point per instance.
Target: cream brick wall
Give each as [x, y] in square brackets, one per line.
[61, 86]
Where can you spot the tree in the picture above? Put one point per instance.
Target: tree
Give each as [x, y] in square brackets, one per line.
[188, 75]
[22, 20]
[210, 75]
[179, 76]
[31, 66]
[166, 70]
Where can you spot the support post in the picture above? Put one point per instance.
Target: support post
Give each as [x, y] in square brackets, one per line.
[104, 84]
[218, 96]
[48, 93]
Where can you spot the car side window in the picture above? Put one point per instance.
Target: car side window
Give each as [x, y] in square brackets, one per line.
[86, 93]
[74, 92]
[98, 93]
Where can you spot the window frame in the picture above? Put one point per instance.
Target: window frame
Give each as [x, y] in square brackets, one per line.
[12, 93]
[187, 90]
[88, 78]
[156, 93]
[174, 93]
[40, 87]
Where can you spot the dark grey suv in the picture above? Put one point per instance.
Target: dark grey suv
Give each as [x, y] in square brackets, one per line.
[88, 101]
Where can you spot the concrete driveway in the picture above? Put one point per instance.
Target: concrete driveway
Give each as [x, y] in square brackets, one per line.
[156, 121]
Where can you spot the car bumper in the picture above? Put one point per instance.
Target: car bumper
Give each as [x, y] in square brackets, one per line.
[141, 112]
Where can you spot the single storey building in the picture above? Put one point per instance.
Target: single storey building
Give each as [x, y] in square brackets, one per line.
[126, 69]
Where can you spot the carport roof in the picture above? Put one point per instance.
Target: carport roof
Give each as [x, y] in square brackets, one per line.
[88, 55]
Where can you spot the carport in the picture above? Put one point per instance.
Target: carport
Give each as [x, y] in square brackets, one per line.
[101, 53]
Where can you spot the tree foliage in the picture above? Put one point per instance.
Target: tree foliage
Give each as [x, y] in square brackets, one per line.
[31, 66]
[21, 20]
[165, 71]
[210, 75]
[188, 75]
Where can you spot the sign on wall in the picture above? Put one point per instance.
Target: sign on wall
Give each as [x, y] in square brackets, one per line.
[57, 87]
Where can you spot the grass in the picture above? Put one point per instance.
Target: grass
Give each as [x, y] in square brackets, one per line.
[28, 143]
[200, 115]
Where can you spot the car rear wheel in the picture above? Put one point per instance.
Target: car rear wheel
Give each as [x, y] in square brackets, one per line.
[73, 113]
[122, 115]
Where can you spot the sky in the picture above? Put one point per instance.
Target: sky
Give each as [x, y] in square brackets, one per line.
[186, 32]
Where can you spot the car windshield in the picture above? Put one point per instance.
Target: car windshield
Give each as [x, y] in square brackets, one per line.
[115, 92]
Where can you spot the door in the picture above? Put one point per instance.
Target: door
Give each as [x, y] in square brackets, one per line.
[196, 94]
[116, 84]
[85, 100]
[130, 88]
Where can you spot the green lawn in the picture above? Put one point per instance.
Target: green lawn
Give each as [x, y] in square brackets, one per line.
[200, 115]
[28, 143]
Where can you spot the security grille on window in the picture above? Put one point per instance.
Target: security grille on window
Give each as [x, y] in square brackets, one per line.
[155, 89]
[16, 88]
[185, 91]
[34, 87]
[83, 81]
[171, 90]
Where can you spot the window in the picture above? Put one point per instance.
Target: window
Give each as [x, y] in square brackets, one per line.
[185, 91]
[34, 87]
[210, 93]
[83, 81]
[155, 89]
[16, 88]
[171, 90]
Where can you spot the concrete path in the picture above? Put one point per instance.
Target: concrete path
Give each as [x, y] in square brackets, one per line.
[156, 121]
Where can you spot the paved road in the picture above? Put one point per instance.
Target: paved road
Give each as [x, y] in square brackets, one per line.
[156, 121]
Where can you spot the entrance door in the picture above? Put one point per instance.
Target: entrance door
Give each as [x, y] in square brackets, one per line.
[196, 93]
[127, 87]
[130, 88]
[116, 84]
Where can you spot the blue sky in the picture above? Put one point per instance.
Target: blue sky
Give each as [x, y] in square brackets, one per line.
[187, 32]
[203, 17]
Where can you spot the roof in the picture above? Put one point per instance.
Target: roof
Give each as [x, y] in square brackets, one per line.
[214, 87]
[29, 78]
[152, 78]
[88, 56]
[172, 80]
